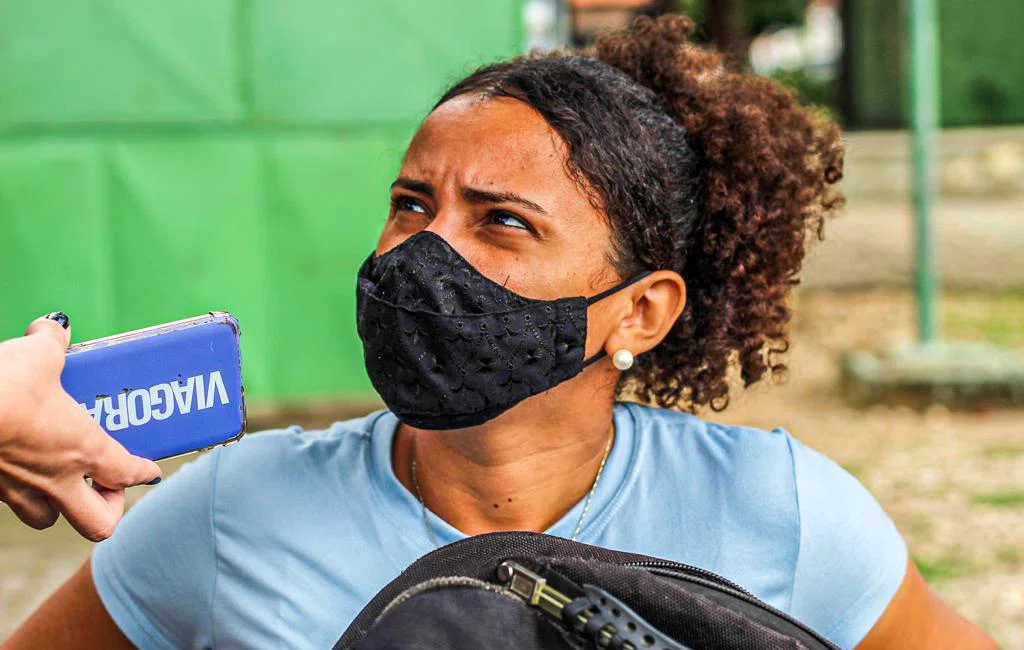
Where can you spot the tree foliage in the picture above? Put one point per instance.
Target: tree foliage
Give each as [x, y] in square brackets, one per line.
[732, 24]
[758, 15]
[763, 14]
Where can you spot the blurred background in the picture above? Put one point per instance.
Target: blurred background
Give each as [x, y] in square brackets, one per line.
[162, 159]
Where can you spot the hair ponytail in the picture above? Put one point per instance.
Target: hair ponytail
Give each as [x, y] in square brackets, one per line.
[767, 167]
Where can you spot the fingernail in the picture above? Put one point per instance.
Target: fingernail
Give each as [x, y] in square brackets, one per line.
[154, 481]
[60, 317]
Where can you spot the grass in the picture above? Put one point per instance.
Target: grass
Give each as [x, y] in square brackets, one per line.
[1010, 555]
[994, 317]
[920, 526]
[943, 568]
[1007, 499]
[855, 469]
[1002, 452]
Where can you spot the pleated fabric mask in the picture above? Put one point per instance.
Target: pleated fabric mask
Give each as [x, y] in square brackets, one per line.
[448, 348]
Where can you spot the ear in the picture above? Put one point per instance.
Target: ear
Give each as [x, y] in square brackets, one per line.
[646, 319]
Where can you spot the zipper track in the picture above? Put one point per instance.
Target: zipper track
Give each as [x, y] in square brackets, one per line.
[681, 571]
[691, 570]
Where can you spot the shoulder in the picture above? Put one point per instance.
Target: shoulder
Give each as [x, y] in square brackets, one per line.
[766, 456]
[675, 425]
[264, 472]
[167, 553]
[751, 458]
[790, 507]
[835, 508]
[735, 484]
[276, 467]
[280, 448]
[852, 559]
[768, 465]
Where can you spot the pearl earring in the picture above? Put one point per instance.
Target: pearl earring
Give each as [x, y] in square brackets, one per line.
[623, 359]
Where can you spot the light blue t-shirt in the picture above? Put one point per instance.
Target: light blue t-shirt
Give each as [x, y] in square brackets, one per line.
[280, 540]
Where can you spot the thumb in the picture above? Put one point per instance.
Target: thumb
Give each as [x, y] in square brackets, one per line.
[55, 326]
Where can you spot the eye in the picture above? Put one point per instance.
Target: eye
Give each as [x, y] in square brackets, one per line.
[508, 220]
[408, 204]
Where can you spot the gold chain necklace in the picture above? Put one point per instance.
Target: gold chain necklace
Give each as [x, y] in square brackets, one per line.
[579, 524]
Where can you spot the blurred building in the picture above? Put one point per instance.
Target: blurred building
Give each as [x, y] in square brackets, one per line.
[553, 24]
[816, 46]
[860, 45]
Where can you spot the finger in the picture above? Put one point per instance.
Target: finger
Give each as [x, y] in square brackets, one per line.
[98, 455]
[94, 513]
[30, 506]
[55, 326]
[114, 498]
[113, 467]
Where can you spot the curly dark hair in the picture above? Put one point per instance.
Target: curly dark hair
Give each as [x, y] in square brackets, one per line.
[716, 174]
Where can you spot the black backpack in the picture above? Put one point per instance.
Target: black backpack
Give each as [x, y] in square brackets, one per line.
[532, 592]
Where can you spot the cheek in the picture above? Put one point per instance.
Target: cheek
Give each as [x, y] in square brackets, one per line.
[601, 322]
[574, 262]
[390, 237]
[577, 264]
[591, 261]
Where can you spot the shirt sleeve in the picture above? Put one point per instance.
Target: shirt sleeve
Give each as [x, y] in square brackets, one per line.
[156, 573]
[851, 560]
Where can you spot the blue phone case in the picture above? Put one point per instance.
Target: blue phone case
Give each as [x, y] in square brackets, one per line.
[165, 390]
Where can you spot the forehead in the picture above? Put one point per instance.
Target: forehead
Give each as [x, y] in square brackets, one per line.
[490, 142]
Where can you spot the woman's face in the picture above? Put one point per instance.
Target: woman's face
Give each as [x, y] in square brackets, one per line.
[488, 175]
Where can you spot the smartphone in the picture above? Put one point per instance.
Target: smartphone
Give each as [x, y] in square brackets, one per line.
[166, 390]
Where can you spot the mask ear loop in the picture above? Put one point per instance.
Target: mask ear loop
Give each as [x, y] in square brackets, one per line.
[619, 287]
[601, 296]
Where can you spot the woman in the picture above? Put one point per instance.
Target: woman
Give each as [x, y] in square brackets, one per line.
[674, 194]
[48, 443]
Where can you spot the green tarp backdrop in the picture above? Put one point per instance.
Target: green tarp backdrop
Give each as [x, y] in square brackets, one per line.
[160, 159]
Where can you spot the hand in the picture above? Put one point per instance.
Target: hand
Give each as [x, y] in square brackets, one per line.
[49, 445]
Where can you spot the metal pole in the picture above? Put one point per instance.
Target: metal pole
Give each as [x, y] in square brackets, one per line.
[924, 99]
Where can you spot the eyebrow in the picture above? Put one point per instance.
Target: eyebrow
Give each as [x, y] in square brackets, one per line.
[415, 186]
[471, 194]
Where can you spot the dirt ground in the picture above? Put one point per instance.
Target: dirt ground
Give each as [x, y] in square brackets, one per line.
[953, 481]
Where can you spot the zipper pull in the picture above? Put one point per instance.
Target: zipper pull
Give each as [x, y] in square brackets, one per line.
[532, 588]
[595, 614]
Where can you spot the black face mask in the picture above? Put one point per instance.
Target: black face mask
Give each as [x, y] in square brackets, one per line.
[448, 348]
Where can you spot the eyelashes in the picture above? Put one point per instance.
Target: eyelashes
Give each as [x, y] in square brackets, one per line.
[498, 217]
[405, 203]
[508, 220]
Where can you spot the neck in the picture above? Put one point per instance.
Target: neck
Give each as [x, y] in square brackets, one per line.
[522, 471]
